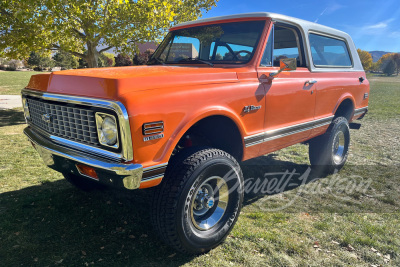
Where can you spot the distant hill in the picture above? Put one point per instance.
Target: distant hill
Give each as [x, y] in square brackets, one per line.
[376, 55]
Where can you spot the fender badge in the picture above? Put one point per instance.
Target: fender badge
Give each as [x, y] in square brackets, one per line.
[153, 137]
[251, 108]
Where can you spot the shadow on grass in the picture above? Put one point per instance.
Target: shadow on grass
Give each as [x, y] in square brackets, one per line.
[56, 223]
[274, 177]
[9, 117]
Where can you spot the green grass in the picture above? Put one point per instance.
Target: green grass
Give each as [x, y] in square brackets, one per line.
[45, 221]
[11, 82]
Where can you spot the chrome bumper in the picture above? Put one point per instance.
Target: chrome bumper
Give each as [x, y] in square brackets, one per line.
[64, 159]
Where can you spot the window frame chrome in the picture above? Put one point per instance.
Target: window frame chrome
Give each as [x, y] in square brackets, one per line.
[115, 106]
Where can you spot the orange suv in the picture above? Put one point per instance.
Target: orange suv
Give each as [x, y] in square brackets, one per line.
[216, 92]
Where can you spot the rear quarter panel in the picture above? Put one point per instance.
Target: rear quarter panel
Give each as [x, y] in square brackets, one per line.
[335, 87]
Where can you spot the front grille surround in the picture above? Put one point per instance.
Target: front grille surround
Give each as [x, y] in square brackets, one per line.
[69, 122]
[79, 116]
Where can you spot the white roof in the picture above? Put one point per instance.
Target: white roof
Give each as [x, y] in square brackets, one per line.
[305, 26]
[274, 16]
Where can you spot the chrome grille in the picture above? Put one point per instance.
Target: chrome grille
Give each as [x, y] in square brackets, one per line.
[72, 123]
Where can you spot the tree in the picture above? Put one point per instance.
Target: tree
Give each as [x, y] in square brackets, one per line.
[396, 59]
[82, 63]
[65, 60]
[366, 59]
[108, 59]
[123, 60]
[74, 26]
[40, 62]
[13, 65]
[143, 57]
[384, 58]
[390, 67]
[375, 66]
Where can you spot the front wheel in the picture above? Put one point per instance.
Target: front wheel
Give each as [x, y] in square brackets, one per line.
[329, 151]
[199, 200]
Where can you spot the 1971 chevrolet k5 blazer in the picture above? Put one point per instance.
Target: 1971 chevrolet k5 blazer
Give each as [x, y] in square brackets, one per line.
[216, 92]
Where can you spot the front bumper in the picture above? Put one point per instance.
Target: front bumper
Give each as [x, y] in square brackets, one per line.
[64, 160]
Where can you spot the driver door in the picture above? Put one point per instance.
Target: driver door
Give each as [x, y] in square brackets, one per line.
[290, 96]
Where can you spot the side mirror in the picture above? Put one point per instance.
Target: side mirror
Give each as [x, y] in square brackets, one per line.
[286, 64]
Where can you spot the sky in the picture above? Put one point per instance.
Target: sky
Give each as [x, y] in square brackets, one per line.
[373, 25]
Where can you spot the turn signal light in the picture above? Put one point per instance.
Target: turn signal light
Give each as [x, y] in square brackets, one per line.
[87, 171]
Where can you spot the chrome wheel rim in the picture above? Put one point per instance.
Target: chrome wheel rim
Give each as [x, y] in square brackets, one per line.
[209, 203]
[338, 148]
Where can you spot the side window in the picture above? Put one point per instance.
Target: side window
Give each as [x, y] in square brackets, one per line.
[266, 59]
[285, 42]
[286, 45]
[329, 51]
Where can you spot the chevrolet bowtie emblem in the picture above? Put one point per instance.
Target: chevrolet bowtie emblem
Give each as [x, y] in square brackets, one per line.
[46, 118]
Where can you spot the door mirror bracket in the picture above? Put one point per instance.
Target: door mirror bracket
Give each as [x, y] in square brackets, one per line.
[286, 64]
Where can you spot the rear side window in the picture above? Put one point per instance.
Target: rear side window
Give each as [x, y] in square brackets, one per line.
[329, 52]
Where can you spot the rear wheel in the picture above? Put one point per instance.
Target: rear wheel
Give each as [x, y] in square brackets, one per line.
[329, 151]
[199, 200]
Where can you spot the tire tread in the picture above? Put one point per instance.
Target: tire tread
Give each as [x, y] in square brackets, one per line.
[166, 195]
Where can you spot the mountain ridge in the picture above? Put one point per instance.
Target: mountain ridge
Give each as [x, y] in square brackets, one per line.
[376, 55]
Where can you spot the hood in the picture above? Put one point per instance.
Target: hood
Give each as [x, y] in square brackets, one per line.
[110, 83]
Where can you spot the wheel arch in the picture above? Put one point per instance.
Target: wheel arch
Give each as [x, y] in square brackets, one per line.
[202, 118]
[345, 107]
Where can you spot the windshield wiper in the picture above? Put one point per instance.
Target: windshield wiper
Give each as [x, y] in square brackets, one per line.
[196, 59]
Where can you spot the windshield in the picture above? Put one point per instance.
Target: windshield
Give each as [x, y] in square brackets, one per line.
[225, 43]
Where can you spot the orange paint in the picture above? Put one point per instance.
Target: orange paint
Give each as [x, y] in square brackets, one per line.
[180, 96]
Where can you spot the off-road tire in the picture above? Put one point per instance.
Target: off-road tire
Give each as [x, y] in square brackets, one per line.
[322, 148]
[172, 200]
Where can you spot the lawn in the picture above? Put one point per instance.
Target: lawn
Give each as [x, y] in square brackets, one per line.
[348, 219]
[11, 82]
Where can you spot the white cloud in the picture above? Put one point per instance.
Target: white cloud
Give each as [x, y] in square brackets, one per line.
[334, 8]
[395, 34]
[379, 25]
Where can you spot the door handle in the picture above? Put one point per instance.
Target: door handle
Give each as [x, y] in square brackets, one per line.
[311, 82]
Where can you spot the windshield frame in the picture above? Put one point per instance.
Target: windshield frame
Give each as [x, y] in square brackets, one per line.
[155, 58]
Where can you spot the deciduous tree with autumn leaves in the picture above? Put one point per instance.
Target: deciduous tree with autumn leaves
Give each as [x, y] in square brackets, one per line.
[366, 59]
[95, 26]
[390, 61]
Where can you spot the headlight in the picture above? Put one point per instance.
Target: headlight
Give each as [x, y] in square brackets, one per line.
[26, 108]
[107, 129]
